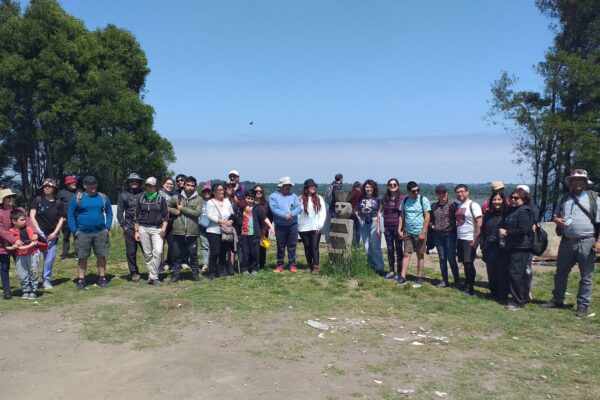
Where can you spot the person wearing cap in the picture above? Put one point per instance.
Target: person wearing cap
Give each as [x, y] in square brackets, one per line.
[469, 218]
[310, 224]
[90, 219]
[65, 195]
[576, 217]
[167, 192]
[186, 208]
[239, 190]
[495, 187]
[7, 205]
[443, 229]
[415, 212]
[126, 208]
[48, 216]
[203, 223]
[285, 207]
[151, 219]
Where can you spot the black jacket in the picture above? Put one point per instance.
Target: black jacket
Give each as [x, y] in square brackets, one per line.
[518, 224]
[126, 207]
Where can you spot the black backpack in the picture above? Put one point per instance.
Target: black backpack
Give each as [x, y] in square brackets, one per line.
[540, 240]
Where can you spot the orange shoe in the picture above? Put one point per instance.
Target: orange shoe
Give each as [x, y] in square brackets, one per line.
[293, 268]
[278, 269]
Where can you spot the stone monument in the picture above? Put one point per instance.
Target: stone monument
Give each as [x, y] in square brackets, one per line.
[342, 230]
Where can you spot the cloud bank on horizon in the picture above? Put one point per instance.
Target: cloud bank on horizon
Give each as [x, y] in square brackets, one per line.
[426, 159]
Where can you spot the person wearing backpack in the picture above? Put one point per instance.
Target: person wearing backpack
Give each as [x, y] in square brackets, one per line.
[576, 217]
[468, 228]
[90, 219]
[412, 228]
[516, 234]
[126, 205]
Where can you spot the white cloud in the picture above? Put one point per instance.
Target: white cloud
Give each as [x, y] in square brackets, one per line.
[427, 159]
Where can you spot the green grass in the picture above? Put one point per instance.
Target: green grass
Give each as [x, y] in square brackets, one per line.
[531, 353]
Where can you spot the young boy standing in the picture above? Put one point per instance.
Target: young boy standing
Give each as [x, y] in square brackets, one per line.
[252, 220]
[26, 256]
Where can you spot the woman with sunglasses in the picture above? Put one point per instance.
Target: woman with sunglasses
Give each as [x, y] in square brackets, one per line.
[517, 232]
[7, 204]
[262, 202]
[369, 207]
[391, 215]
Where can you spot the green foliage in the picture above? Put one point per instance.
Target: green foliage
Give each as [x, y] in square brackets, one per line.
[67, 95]
[353, 266]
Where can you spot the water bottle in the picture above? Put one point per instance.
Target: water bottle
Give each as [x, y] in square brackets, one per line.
[501, 241]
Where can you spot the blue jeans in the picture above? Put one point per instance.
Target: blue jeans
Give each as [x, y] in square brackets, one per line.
[49, 257]
[372, 243]
[287, 238]
[446, 248]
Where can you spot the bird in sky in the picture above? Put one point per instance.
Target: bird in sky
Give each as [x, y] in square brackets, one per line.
[251, 123]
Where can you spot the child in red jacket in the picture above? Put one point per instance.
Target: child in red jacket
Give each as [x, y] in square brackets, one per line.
[26, 256]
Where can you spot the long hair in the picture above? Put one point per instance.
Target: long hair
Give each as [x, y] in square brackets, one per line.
[491, 206]
[314, 198]
[388, 193]
[373, 185]
[522, 194]
[264, 195]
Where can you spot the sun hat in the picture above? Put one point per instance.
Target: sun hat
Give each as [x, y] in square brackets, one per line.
[441, 189]
[578, 173]
[48, 182]
[89, 180]
[310, 183]
[5, 193]
[285, 180]
[134, 177]
[497, 185]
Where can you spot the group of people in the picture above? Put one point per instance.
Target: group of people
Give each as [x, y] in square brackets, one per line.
[233, 224]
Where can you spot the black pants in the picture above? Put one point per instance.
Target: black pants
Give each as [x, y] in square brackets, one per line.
[394, 246]
[185, 246]
[250, 247]
[170, 259]
[519, 284]
[287, 237]
[4, 269]
[66, 232]
[217, 258]
[496, 263]
[131, 247]
[311, 240]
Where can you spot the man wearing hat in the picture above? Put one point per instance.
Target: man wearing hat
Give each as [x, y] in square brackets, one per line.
[65, 195]
[239, 190]
[90, 219]
[285, 207]
[443, 228]
[126, 206]
[576, 217]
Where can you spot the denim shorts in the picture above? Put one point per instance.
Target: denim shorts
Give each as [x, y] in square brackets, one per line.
[85, 241]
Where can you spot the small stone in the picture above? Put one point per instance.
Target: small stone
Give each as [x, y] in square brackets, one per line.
[377, 381]
[415, 343]
[440, 394]
[317, 325]
[404, 391]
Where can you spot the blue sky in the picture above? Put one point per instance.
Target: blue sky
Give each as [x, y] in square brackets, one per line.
[372, 89]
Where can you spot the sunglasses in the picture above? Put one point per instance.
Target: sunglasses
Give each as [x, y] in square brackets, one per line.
[392, 185]
[515, 198]
[180, 180]
[258, 191]
[415, 190]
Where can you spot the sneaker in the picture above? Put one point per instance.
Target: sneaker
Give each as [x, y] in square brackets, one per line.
[512, 306]
[32, 296]
[211, 277]
[278, 269]
[174, 279]
[47, 285]
[316, 271]
[196, 276]
[254, 273]
[185, 266]
[25, 296]
[418, 283]
[293, 268]
[442, 285]
[80, 284]
[581, 311]
[457, 285]
[553, 304]
[468, 290]
[390, 275]
[103, 282]
[400, 280]
[247, 273]
[204, 268]
[135, 277]
[7, 295]
[154, 282]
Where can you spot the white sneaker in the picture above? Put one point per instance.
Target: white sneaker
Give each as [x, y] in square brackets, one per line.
[48, 285]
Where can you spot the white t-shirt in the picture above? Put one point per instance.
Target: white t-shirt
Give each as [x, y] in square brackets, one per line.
[465, 221]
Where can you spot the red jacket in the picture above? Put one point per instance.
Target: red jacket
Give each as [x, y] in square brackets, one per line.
[17, 235]
[6, 239]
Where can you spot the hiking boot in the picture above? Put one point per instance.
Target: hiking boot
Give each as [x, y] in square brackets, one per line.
[400, 280]
[174, 280]
[581, 311]
[278, 269]
[135, 277]
[442, 285]
[293, 268]
[7, 295]
[512, 306]
[80, 284]
[553, 304]
[47, 285]
[103, 282]
[390, 275]
[418, 283]
[196, 276]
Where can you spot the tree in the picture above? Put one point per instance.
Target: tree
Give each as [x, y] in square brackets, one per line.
[71, 100]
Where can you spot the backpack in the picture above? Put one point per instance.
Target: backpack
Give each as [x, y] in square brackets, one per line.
[329, 194]
[420, 201]
[80, 195]
[540, 240]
